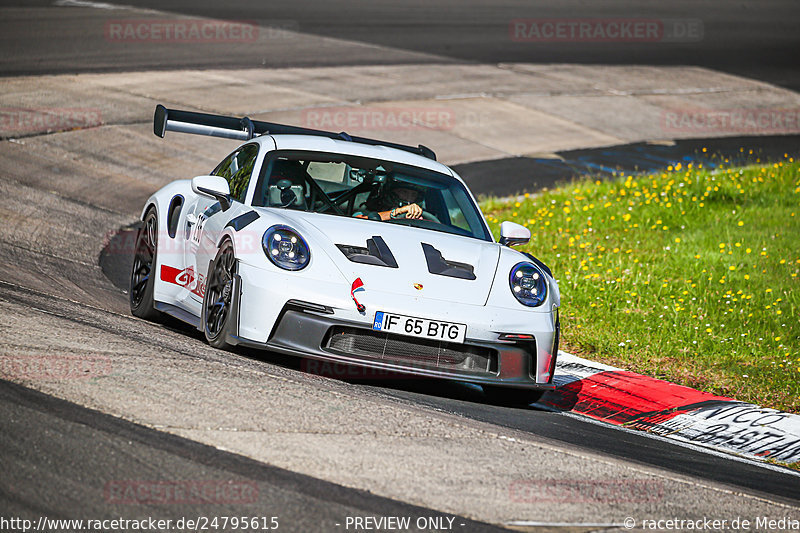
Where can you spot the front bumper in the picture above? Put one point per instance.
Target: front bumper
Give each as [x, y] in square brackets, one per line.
[311, 331]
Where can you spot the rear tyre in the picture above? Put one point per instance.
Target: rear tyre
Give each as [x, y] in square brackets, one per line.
[511, 397]
[142, 281]
[218, 298]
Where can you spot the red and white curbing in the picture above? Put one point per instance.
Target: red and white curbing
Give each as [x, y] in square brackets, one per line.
[634, 401]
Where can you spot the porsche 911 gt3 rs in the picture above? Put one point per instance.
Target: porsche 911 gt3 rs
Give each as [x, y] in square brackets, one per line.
[347, 250]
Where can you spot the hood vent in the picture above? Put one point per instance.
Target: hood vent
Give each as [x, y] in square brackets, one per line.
[441, 266]
[376, 253]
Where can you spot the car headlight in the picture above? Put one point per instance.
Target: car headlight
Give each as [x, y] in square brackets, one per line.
[528, 284]
[286, 248]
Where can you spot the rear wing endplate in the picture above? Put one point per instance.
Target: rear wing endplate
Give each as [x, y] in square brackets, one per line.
[244, 129]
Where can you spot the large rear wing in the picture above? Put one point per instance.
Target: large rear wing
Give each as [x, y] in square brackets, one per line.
[245, 129]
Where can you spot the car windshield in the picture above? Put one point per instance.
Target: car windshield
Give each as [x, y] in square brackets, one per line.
[369, 189]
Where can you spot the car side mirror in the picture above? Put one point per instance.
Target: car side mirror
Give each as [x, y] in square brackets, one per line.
[214, 186]
[512, 234]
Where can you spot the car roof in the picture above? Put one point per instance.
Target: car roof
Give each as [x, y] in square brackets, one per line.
[324, 144]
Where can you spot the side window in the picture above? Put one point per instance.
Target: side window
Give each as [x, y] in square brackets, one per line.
[454, 212]
[237, 169]
[329, 176]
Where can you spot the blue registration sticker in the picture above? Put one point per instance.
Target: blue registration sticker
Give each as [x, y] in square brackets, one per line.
[377, 325]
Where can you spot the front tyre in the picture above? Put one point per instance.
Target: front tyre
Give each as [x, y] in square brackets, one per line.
[511, 397]
[218, 298]
[142, 281]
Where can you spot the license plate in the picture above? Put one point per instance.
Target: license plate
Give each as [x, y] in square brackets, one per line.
[419, 327]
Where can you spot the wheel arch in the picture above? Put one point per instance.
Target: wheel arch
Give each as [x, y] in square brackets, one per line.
[245, 241]
[227, 235]
[150, 204]
[162, 199]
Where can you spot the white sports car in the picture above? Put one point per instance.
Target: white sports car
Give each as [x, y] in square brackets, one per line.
[346, 250]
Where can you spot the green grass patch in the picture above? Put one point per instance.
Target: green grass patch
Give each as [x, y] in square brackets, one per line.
[690, 275]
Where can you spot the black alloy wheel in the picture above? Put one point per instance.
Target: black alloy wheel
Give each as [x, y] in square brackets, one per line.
[218, 298]
[142, 280]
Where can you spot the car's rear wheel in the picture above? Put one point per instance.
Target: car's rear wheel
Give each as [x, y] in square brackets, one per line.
[218, 298]
[142, 282]
[511, 397]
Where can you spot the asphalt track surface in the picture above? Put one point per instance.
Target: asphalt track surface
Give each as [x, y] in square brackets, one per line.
[85, 447]
[64, 445]
[752, 38]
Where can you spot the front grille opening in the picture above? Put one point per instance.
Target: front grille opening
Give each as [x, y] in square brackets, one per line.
[411, 351]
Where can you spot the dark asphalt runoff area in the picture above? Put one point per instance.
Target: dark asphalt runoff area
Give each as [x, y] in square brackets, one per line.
[752, 38]
[514, 175]
[59, 457]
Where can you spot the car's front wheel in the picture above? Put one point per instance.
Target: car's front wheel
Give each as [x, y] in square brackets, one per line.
[218, 298]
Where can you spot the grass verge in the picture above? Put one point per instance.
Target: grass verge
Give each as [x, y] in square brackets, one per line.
[689, 275]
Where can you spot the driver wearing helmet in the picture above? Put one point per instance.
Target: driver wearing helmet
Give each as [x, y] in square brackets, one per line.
[398, 200]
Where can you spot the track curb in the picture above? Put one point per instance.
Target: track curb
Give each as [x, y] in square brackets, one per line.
[618, 397]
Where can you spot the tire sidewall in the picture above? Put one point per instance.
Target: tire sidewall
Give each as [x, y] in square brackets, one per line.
[146, 308]
[220, 341]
